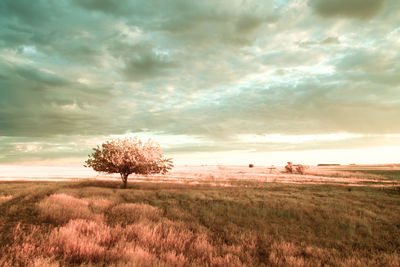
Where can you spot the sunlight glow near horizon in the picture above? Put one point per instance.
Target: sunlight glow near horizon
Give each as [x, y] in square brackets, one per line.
[75, 169]
[373, 155]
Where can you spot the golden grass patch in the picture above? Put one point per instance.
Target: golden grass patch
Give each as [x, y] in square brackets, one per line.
[132, 212]
[99, 205]
[4, 199]
[60, 208]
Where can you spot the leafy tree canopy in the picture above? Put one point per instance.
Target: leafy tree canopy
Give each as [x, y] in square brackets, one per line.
[127, 156]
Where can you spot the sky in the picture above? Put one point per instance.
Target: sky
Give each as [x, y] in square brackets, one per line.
[214, 82]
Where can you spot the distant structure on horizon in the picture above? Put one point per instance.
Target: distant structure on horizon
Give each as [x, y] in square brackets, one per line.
[326, 164]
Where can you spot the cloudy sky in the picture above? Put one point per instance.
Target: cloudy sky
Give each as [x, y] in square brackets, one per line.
[213, 81]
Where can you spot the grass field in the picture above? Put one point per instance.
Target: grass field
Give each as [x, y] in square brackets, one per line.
[216, 216]
[389, 174]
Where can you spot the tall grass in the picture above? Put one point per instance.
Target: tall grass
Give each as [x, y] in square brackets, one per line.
[151, 224]
[132, 212]
[5, 198]
[60, 208]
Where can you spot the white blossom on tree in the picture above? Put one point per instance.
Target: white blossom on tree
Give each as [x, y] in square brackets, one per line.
[127, 156]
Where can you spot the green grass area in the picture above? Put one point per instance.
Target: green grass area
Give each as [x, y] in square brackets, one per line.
[164, 224]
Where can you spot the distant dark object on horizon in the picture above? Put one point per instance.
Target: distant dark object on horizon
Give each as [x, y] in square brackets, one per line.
[324, 165]
[251, 165]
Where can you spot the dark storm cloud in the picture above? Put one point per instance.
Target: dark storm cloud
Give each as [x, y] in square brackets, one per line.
[55, 29]
[36, 103]
[194, 23]
[37, 14]
[106, 6]
[141, 62]
[360, 9]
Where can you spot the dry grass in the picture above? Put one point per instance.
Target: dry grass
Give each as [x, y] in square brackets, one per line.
[85, 241]
[99, 205]
[5, 198]
[82, 242]
[27, 246]
[132, 212]
[60, 208]
[290, 254]
[341, 173]
[253, 223]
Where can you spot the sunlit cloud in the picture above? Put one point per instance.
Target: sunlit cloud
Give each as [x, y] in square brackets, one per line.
[28, 148]
[296, 139]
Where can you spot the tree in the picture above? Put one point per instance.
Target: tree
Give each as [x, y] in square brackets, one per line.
[127, 156]
[301, 169]
[289, 167]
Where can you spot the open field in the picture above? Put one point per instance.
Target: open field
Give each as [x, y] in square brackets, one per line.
[206, 216]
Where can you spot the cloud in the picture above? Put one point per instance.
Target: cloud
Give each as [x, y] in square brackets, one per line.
[38, 103]
[330, 40]
[359, 9]
[306, 108]
[105, 6]
[369, 60]
[83, 70]
[141, 62]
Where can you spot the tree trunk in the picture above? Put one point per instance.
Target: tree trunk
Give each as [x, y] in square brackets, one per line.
[124, 179]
